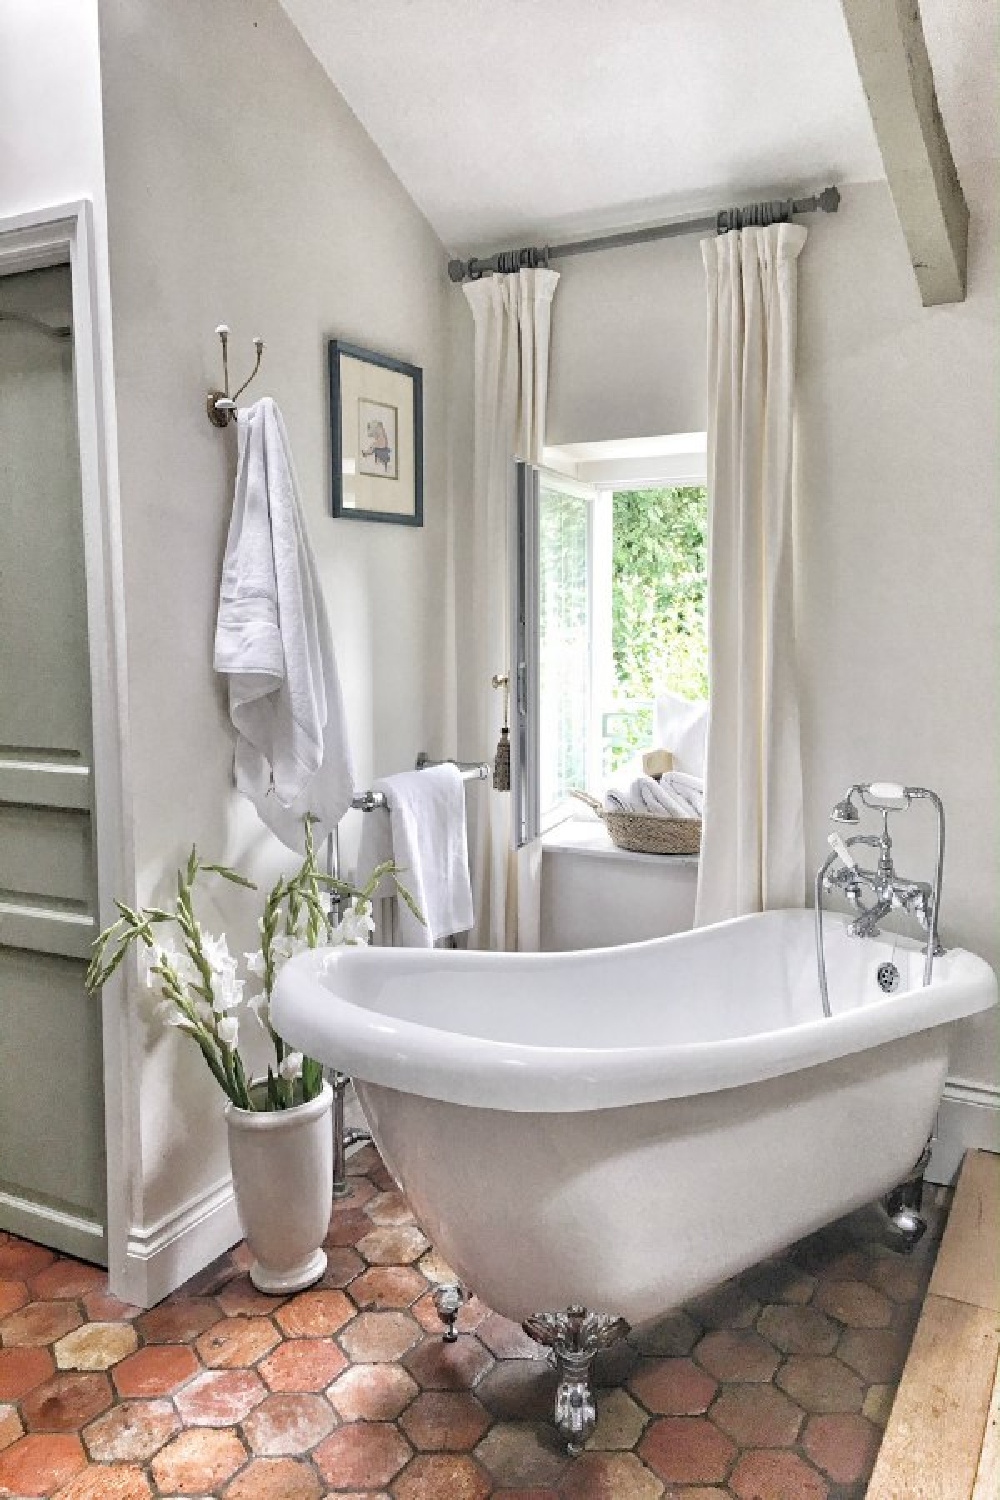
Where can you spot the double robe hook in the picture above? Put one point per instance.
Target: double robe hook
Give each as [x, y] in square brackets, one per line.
[221, 405]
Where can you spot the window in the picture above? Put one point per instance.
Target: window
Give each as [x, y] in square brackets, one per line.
[610, 595]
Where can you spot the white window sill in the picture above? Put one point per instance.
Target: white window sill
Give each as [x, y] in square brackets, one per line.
[589, 838]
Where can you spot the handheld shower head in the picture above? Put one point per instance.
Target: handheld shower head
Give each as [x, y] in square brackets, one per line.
[845, 810]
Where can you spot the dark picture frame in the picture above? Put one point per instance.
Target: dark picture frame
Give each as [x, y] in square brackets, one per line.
[377, 439]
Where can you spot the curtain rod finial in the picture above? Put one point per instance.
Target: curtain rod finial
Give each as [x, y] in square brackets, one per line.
[456, 269]
[829, 200]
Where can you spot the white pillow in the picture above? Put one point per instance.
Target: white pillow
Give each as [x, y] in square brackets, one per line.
[682, 726]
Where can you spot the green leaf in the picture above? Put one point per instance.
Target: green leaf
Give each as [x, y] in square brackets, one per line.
[233, 876]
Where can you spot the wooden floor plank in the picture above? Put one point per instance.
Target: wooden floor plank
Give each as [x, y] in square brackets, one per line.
[988, 1476]
[932, 1446]
[968, 1263]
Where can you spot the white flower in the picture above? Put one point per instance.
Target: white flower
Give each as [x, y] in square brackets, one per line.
[358, 923]
[255, 963]
[160, 956]
[229, 1030]
[285, 947]
[216, 950]
[290, 1067]
[203, 1010]
[169, 1015]
[227, 990]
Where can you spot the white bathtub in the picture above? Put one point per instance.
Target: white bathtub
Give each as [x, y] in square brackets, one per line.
[626, 1127]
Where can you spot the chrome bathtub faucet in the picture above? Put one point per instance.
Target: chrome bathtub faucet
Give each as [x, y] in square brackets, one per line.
[841, 872]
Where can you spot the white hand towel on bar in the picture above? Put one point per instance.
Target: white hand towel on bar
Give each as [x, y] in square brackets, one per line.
[273, 642]
[424, 832]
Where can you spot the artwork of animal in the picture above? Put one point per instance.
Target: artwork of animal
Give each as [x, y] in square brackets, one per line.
[378, 447]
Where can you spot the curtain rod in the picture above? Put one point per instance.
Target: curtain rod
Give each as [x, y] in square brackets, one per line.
[777, 211]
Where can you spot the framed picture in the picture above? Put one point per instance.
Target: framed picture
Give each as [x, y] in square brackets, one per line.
[376, 424]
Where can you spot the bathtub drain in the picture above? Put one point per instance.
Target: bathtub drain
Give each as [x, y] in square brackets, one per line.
[888, 978]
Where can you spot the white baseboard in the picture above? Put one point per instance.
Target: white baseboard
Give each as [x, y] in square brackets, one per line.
[73, 1234]
[968, 1120]
[163, 1255]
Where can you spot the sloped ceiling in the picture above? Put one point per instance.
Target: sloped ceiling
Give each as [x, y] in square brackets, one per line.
[519, 120]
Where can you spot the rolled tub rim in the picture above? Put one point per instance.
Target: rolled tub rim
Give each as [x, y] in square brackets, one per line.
[483, 1072]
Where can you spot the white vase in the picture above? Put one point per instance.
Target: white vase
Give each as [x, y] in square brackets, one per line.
[282, 1164]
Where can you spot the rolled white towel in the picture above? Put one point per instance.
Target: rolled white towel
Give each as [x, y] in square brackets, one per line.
[659, 798]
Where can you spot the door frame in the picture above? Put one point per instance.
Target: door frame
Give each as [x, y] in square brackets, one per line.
[64, 234]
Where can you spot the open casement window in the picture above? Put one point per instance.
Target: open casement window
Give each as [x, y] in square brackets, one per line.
[561, 619]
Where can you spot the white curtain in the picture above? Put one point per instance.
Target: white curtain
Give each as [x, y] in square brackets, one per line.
[511, 314]
[752, 856]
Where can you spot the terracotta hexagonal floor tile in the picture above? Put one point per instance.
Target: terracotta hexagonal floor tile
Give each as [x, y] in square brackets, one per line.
[157, 1370]
[522, 1455]
[302, 1365]
[673, 1387]
[779, 1281]
[275, 1479]
[20, 1260]
[39, 1323]
[508, 1340]
[687, 1450]
[346, 1228]
[757, 1416]
[219, 1398]
[820, 1383]
[436, 1269]
[69, 1279]
[375, 1337]
[104, 1308]
[21, 1370]
[236, 1341]
[739, 1354]
[392, 1245]
[519, 1390]
[764, 1474]
[315, 1314]
[667, 1338]
[372, 1393]
[855, 1303]
[96, 1346]
[108, 1482]
[727, 1306]
[843, 1446]
[10, 1426]
[433, 1477]
[178, 1321]
[198, 1461]
[383, 1287]
[614, 1366]
[389, 1208]
[798, 1330]
[342, 1266]
[444, 1420]
[363, 1453]
[40, 1463]
[65, 1403]
[13, 1294]
[611, 1476]
[899, 1278]
[132, 1431]
[288, 1425]
[620, 1422]
[241, 1298]
[877, 1354]
[438, 1366]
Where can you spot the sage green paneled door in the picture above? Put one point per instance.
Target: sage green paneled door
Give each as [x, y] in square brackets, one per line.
[52, 1172]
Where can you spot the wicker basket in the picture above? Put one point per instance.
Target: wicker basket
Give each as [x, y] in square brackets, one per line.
[643, 833]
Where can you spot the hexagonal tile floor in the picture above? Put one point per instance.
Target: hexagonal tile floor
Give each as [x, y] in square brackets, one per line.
[775, 1386]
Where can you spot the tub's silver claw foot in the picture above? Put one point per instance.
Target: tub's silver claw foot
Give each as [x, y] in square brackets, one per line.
[448, 1303]
[902, 1206]
[574, 1337]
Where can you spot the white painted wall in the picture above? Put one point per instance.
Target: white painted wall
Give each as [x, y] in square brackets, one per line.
[241, 189]
[898, 524]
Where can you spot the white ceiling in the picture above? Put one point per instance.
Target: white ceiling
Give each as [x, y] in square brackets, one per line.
[514, 121]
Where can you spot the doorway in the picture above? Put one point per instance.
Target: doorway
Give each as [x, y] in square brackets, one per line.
[53, 1180]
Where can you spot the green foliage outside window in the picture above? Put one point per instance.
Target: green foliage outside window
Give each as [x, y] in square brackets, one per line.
[659, 590]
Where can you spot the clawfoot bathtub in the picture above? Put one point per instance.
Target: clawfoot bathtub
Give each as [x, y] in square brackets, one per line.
[613, 1132]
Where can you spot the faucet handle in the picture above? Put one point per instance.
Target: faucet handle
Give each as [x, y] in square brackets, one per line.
[842, 851]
